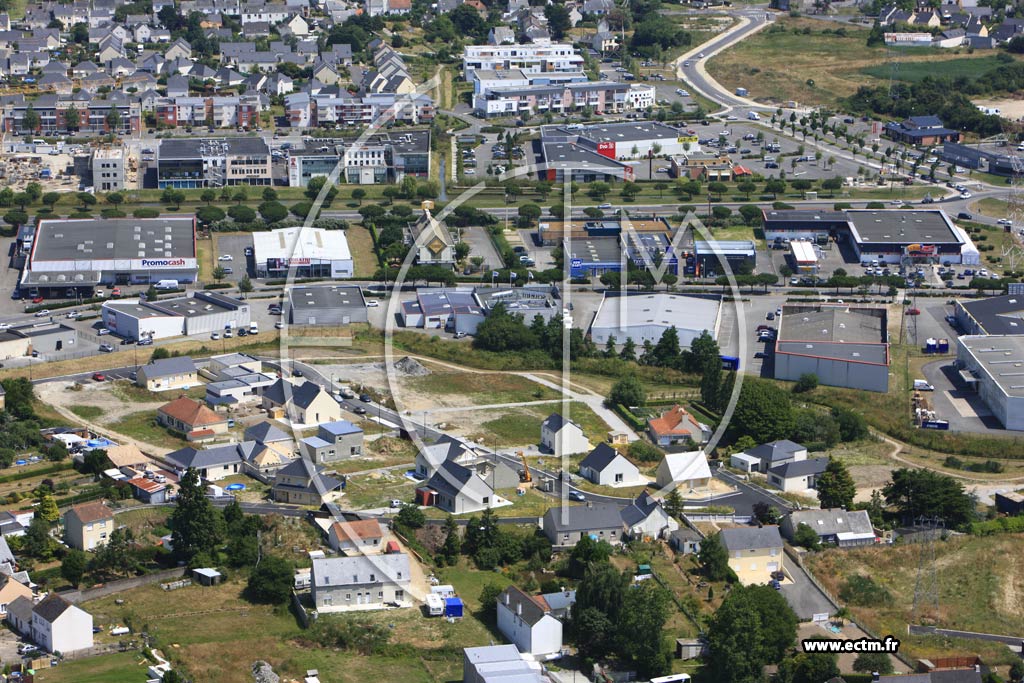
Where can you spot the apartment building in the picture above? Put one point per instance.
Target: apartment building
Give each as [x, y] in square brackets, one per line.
[215, 112]
[379, 159]
[108, 169]
[205, 162]
[532, 58]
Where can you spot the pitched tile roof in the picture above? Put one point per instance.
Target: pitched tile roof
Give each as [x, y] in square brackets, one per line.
[751, 538]
[526, 606]
[359, 530]
[675, 421]
[52, 607]
[599, 458]
[191, 412]
[91, 512]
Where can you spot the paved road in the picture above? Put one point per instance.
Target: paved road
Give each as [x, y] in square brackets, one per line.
[802, 595]
[748, 495]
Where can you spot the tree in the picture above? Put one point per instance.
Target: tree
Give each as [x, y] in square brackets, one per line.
[273, 212]
[172, 676]
[489, 602]
[806, 537]
[674, 504]
[877, 662]
[528, 213]
[558, 20]
[208, 196]
[72, 568]
[245, 284]
[764, 412]
[359, 194]
[641, 629]
[1016, 671]
[113, 119]
[714, 559]
[916, 493]
[808, 667]
[48, 509]
[598, 190]
[50, 199]
[852, 425]
[775, 186]
[807, 382]
[271, 581]
[37, 541]
[585, 553]
[172, 197]
[410, 517]
[718, 188]
[30, 120]
[16, 217]
[836, 488]
[219, 273]
[628, 391]
[86, 199]
[753, 627]
[242, 214]
[746, 187]
[628, 350]
[666, 351]
[209, 214]
[832, 184]
[452, 540]
[195, 525]
[115, 198]
[72, 119]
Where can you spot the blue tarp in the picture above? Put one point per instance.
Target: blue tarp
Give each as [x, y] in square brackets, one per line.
[453, 607]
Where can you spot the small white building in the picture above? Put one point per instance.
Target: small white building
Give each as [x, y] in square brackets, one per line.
[529, 625]
[562, 437]
[684, 470]
[605, 466]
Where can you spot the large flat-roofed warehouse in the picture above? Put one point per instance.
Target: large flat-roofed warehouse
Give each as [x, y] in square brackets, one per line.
[312, 252]
[81, 254]
[887, 235]
[843, 346]
[994, 367]
[740, 255]
[326, 305]
[594, 256]
[201, 313]
[995, 315]
[635, 139]
[645, 317]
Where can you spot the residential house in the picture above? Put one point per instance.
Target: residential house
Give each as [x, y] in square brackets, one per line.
[326, 73]
[265, 459]
[14, 523]
[307, 403]
[844, 528]
[268, 433]
[356, 536]
[645, 517]
[179, 49]
[445, 449]
[943, 675]
[526, 621]
[360, 583]
[192, 419]
[212, 464]
[564, 527]
[562, 437]
[298, 26]
[431, 240]
[676, 428]
[754, 552]
[797, 476]
[768, 455]
[605, 466]
[501, 35]
[456, 489]
[54, 624]
[334, 441]
[303, 483]
[166, 374]
[129, 457]
[87, 526]
[11, 590]
[684, 470]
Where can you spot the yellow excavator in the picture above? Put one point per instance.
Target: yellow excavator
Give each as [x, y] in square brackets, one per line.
[524, 475]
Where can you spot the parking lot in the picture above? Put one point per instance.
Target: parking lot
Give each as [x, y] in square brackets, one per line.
[234, 246]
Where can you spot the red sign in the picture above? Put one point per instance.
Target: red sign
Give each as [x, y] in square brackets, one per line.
[606, 149]
[628, 173]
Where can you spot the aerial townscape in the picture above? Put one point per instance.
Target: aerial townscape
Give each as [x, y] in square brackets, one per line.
[512, 341]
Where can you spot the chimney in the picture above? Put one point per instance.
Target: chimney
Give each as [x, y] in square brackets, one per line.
[519, 608]
[506, 598]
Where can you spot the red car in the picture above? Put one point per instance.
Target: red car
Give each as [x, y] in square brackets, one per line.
[116, 292]
[913, 311]
[37, 300]
[99, 377]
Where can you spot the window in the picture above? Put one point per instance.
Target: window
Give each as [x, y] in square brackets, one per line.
[380, 594]
[399, 595]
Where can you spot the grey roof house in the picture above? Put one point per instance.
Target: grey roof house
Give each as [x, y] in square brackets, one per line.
[845, 528]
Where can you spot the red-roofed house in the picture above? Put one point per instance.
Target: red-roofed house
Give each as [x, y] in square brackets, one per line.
[363, 536]
[676, 427]
[191, 418]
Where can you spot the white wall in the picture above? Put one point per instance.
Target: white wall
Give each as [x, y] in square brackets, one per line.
[545, 637]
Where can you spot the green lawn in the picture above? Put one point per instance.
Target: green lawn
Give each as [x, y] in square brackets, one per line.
[142, 426]
[377, 490]
[521, 426]
[484, 388]
[129, 392]
[966, 67]
[121, 667]
[361, 245]
[87, 412]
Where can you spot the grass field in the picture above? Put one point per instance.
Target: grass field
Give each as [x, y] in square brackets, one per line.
[376, 490]
[990, 206]
[521, 426]
[361, 245]
[87, 412]
[122, 667]
[484, 389]
[974, 566]
[784, 63]
[129, 392]
[142, 426]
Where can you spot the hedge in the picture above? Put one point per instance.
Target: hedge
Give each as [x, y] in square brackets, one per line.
[1002, 525]
[632, 420]
[146, 212]
[28, 474]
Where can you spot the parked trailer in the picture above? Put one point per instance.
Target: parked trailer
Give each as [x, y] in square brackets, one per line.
[730, 363]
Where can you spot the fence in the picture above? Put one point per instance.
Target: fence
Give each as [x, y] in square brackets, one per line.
[300, 610]
[734, 519]
[799, 561]
[79, 596]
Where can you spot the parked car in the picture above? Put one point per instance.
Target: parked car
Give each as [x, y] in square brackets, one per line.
[577, 496]
[146, 341]
[225, 257]
[106, 348]
[102, 331]
[99, 377]
[372, 303]
[365, 398]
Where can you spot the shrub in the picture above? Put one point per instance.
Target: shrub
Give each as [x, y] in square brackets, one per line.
[864, 592]
[146, 212]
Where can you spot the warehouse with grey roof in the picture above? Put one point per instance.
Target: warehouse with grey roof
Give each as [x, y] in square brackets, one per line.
[993, 367]
[326, 305]
[645, 317]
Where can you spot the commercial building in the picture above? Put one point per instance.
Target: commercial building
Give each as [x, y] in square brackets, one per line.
[201, 313]
[41, 337]
[920, 130]
[564, 159]
[79, 254]
[213, 162]
[804, 257]
[636, 139]
[528, 301]
[385, 158]
[443, 309]
[739, 255]
[645, 317]
[594, 256]
[108, 169]
[843, 346]
[326, 305]
[529, 58]
[302, 252]
[888, 235]
[993, 367]
[995, 315]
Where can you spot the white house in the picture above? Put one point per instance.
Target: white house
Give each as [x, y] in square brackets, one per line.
[768, 455]
[457, 489]
[646, 518]
[54, 624]
[684, 470]
[528, 623]
[562, 437]
[605, 466]
[797, 476]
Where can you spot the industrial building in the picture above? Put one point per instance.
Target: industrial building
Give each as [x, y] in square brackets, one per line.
[995, 315]
[444, 309]
[72, 256]
[804, 257]
[41, 337]
[842, 346]
[326, 305]
[645, 317]
[528, 301]
[302, 252]
[993, 367]
[186, 163]
[594, 256]
[740, 256]
[202, 313]
[887, 235]
[635, 139]
[567, 160]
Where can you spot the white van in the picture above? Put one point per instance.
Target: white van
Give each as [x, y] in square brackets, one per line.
[923, 385]
[254, 328]
[753, 116]
[167, 284]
